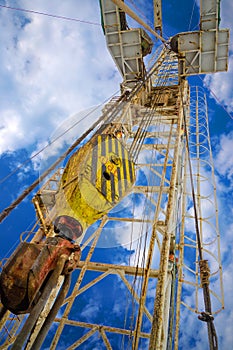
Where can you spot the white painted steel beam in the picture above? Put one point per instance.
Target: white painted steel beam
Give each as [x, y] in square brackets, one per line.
[206, 50]
[158, 15]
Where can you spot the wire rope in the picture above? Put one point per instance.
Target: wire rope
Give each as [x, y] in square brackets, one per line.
[143, 255]
[140, 251]
[140, 248]
[26, 192]
[135, 287]
[191, 17]
[107, 117]
[146, 121]
[49, 15]
[141, 138]
[127, 296]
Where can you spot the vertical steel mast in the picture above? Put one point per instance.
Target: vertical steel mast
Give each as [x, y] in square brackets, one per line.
[140, 258]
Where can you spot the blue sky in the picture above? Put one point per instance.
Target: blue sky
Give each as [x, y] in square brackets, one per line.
[52, 69]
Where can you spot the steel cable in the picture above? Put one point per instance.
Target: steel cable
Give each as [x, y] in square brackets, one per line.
[99, 126]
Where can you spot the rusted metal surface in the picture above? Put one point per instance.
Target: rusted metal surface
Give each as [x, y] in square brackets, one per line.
[34, 314]
[37, 338]
[24, 275]
[13, 280]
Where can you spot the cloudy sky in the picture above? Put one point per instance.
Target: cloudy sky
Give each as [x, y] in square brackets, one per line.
[53, 68]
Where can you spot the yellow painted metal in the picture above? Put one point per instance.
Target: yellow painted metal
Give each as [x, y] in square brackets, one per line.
[96, 177]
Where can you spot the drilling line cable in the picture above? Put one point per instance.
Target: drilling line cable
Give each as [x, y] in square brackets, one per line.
[135, 286]
[142, 286]
[127, 297]
[140, 282]
[213, 340]
[142, 130]
[152, 242]
[134, 289]
[136, 89]
[138, 250]
[153, 57]
[164, 78]
[137, 254]
[145, 122]
[141, 133]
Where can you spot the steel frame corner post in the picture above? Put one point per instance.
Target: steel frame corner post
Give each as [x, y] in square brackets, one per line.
[158, 339]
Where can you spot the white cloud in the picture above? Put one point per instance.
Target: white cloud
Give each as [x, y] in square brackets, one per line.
[224, 157]
[91, 309]
[226, 9]
[11, 131]
[223, 164]
[221, 84]
[50, 69]
[62, 137]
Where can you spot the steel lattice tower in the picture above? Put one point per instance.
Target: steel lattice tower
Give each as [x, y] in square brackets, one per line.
[152, 226]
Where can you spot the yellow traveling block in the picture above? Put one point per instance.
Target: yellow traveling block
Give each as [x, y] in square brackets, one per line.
[95, 179]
